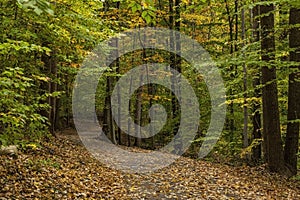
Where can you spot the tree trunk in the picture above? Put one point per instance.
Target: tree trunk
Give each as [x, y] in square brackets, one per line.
[138, 114]
[128, 120]
[172, 66]
[177, 62]
[53, 99]
[50, 87]
[271, 122]
[292, 136]
[108, 126]
[232, 70]
[245, 87]
[118, 133]
[256, 119]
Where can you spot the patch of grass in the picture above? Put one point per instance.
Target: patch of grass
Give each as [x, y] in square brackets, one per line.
[42, 163]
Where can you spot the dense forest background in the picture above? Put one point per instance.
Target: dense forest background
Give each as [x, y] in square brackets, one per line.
[256, 45]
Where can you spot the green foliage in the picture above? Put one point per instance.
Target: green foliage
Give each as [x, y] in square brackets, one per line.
[40, 47]
[39, 164]
[38, 6]
[146, 9]
[40, 52]
[19, 118]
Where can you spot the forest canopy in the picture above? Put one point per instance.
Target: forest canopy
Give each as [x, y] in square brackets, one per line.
[255, 45]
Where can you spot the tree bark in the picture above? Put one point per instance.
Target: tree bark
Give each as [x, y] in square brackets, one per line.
[138, 114]
[108, 126]
[230, 122]
[245, 87]
[256, 119]
[271, 122]
[178, 142]
[50, 87]
[118, 133]
[292, 136]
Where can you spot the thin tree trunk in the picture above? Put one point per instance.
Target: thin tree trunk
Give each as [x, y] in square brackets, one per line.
[245, 88]
[129, 137]
[52, 99]
[129, 120]
[256, 119]
[150, 94]
[172, 65]
[138, 103]
[108, 127]
[236, 9]
[178, 143]
[118, 129]
[138, 114]
[50, 87]
[292, 136]
[231, 35]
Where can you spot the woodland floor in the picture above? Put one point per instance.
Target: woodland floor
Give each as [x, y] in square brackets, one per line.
[64, 169]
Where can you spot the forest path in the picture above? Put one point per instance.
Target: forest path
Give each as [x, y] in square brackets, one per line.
[64, 169]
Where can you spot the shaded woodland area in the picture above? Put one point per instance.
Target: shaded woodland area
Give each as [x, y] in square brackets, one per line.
[255, 45]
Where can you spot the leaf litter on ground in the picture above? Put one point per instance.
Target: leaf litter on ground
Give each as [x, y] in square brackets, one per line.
[63, 169]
